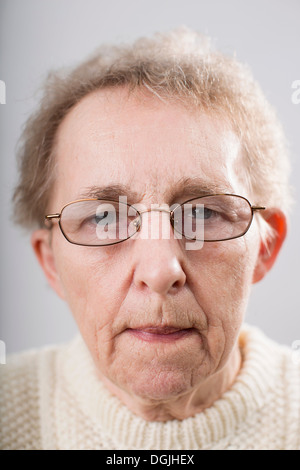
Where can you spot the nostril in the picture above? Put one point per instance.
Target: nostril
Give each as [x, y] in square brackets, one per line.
[176, 285]
[161, 278]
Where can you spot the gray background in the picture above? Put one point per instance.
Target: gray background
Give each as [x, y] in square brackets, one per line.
[36, 36]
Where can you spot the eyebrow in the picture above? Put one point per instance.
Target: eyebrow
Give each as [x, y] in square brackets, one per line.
[111, 192]
[197, 186]
[186, 187]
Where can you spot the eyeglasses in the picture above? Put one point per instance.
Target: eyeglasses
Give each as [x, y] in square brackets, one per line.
[99, 222]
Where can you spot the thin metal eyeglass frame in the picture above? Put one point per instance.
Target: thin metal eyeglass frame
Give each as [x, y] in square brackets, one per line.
[50, 217]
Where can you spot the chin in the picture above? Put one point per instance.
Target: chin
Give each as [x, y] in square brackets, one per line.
[162, 386]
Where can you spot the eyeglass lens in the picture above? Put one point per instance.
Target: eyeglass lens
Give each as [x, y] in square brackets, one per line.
[209, 218]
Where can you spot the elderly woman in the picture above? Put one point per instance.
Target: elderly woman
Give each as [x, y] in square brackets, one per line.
[154, 179]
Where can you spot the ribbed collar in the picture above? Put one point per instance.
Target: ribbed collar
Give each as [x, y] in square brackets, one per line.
[211, 428]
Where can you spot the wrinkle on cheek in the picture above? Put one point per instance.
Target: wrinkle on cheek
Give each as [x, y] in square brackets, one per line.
[105, 345]
[221, 289]
[90, 281]
[214, 341]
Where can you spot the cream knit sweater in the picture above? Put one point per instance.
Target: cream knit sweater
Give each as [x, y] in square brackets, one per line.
[52, 399]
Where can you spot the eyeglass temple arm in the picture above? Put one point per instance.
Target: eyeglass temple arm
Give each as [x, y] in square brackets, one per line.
[257, 208]
[48, 219]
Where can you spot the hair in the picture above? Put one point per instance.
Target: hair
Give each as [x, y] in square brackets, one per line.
[180, 65]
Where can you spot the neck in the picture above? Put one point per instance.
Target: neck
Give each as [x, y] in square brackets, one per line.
[188, 404]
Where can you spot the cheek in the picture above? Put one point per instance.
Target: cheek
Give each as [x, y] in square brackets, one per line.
[90, 278]
[223, 271]
[222, 283]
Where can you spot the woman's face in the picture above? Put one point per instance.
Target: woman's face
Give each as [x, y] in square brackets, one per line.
[157, 318]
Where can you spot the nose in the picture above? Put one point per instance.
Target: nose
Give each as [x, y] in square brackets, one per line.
[158, 263]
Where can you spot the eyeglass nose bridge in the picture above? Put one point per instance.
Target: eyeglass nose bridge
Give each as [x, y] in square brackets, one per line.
[138, 223]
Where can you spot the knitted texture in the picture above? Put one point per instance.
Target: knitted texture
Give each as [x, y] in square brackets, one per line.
[52, 399]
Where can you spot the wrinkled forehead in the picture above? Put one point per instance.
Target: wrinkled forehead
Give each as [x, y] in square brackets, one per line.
[151, 148]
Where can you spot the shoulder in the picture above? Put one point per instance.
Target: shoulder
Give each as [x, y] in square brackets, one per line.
[20, 399]
[289, 380]
[288, 393]
[278, 367]
[283, 360]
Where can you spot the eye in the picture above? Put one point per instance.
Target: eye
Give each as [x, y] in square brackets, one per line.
[203, 213]
[98, 218]
[106, 214]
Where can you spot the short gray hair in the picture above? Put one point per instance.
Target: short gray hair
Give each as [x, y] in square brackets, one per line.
[179, 65]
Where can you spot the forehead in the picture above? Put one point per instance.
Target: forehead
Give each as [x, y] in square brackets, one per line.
[150, 146]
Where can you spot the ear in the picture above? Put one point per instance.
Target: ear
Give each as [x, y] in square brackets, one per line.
[270, 248]
[41, 244]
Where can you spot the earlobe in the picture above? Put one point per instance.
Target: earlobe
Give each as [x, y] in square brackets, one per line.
[269, 249]
[40, 241]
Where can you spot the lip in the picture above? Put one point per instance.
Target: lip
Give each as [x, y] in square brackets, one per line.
[161, 334]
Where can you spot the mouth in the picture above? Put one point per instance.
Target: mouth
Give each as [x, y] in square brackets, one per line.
[161, 334]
